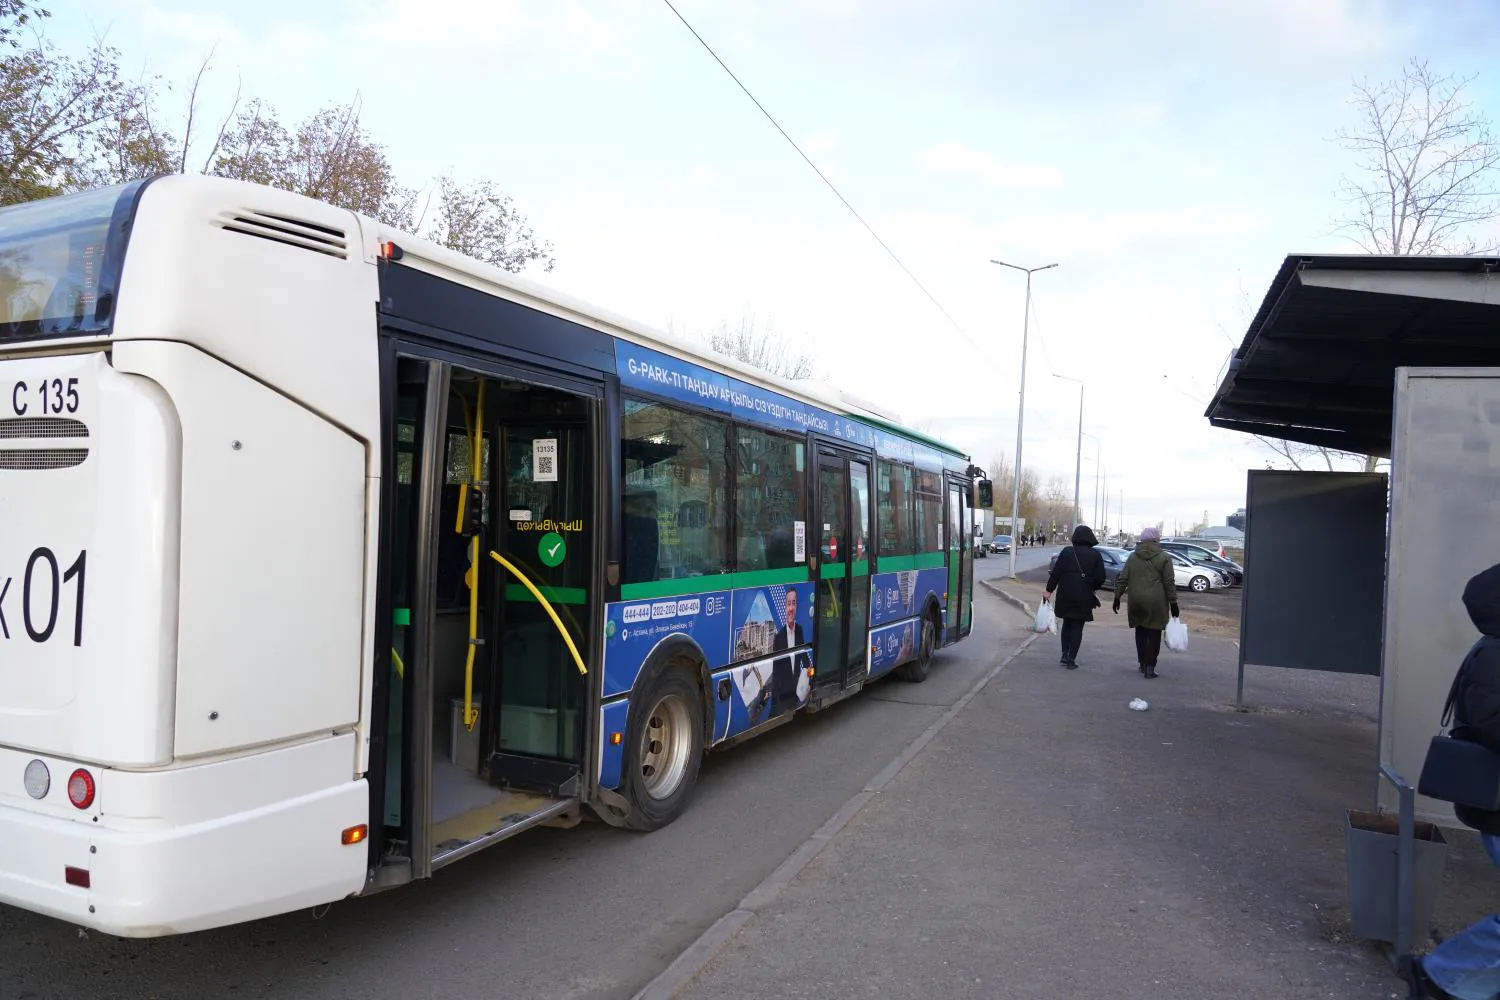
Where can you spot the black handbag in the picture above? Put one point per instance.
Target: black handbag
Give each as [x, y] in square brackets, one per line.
[1457, 769]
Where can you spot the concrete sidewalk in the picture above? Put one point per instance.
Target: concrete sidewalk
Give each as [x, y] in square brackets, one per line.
[1051, 842]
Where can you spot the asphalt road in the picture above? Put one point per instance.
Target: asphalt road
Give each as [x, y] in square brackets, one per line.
[997, 564]
[590, 912]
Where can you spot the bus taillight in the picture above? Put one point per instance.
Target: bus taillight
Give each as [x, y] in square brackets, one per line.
[81, 789]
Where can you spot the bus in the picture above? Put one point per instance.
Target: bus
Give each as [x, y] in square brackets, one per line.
[330, 556]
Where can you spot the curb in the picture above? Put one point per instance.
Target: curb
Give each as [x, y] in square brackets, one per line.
[697, 955]
[1007, 596]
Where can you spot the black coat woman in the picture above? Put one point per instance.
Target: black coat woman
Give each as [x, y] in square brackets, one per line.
[1076, 575]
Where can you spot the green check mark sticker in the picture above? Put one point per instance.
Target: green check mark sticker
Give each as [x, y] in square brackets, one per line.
[552, 549]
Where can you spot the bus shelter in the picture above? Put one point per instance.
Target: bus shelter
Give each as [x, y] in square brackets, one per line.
[1396, 357]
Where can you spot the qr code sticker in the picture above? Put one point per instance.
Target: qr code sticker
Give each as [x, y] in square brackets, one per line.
[544, 465]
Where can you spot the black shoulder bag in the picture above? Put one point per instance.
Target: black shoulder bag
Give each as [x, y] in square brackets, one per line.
[1457, 769]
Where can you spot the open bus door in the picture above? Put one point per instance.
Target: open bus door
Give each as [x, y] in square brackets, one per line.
[487, 691]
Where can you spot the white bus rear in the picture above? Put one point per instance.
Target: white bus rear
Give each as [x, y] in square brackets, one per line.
[179, 728]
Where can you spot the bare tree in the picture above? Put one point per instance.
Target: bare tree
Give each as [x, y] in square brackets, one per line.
[1427, 166]
[1427, 179]
[761, 348]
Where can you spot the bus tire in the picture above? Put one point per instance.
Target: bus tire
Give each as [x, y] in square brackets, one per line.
[917, 670]
[664, 747]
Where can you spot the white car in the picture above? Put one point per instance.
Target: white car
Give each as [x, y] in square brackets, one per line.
[1195, 576]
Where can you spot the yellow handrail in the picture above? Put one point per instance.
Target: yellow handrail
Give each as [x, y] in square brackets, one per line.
[476, 440]
[546, 606]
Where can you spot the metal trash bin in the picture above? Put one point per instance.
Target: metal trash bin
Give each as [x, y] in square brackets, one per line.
[1371, 841]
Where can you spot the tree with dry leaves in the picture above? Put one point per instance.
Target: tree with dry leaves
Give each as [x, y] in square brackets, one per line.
[69, 124]
[56, 111]
[480, 221]
[1427, 161]
[761, 347]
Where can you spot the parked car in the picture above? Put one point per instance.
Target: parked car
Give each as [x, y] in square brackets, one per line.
[1204, 557]
[1000, 543]
[1114, 561]
[1206, 544]
[1194, 576]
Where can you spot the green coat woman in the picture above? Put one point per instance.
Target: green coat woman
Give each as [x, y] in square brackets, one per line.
[1149, 582]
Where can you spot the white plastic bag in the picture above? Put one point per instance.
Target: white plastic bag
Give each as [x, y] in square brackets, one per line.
[1046, 621]
[1177, 636]
[804, 685]
[1138, 705]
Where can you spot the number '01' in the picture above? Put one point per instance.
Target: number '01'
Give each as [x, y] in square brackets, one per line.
[42, 591]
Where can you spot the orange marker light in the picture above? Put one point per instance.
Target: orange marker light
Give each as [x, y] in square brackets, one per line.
[355, 834]
[390, 251]
[616, 738]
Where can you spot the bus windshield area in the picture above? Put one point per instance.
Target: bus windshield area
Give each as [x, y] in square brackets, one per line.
[59, 259]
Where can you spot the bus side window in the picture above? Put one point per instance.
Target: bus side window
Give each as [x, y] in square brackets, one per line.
[675, 492]
[769, 498]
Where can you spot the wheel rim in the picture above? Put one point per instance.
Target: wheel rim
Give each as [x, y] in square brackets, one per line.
[927, 637]
[1200, 584]
[666, 745]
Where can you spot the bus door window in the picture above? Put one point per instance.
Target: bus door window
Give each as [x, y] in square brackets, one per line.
[543, 515]
[833, 571]
[859, 570]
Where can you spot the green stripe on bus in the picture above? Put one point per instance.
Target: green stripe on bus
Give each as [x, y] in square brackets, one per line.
[833, 571]
[769, 577]
[861, 567]
[556, 595]
[679, 586]
[897, 564]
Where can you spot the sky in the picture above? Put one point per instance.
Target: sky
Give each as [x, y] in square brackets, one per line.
[1165, 154]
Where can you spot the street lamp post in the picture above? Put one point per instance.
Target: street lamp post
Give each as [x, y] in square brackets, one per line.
[1015, 493]
[1098, 459]
[1078, 458]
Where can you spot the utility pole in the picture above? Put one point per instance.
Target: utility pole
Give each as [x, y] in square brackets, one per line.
[1015, 493]
[1104, 496]
[1098, 460]
[1078, 457]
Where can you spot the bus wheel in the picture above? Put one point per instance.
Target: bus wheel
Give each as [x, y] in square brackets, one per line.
[916, 671]
[665, 744]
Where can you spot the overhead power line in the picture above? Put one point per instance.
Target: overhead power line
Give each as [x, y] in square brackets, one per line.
[868, 228]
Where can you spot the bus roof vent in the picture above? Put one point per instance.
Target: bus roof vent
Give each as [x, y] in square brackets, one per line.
[285, 229]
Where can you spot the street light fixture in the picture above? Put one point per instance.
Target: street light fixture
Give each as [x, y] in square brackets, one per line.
[1078, 459]
[1015, 495]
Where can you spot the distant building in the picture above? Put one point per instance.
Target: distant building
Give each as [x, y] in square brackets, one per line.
[1236, 520]
[1224, 533]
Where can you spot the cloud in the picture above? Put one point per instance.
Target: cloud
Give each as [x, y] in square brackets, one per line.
[955, 159]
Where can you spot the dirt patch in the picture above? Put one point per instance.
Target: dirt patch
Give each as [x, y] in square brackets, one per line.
[1215, 614]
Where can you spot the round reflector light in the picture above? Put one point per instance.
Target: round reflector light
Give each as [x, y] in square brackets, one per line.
[81, 789]
[38, 780]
